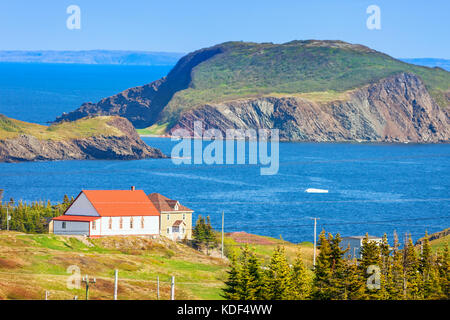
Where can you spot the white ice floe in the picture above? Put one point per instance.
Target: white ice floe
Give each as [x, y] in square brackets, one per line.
[313, 190]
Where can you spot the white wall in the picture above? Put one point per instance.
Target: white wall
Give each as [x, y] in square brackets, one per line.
[151, 226]
[82, 207]
[72, 227]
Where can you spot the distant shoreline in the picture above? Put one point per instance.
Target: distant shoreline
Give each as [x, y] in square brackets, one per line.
[316, 142]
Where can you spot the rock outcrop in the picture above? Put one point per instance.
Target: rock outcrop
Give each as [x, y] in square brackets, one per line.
[394, 109]
[127, 146]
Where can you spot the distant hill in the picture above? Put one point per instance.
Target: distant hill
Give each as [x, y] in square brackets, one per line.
[93, 57]
[106, 137]
[430, 62]
[313, 90]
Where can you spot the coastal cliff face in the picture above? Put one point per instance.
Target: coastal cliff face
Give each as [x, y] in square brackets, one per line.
[394, 109]
[124, 146]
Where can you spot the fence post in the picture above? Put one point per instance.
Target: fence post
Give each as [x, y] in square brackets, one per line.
[172, 291]
[157, 287]
[116, 279]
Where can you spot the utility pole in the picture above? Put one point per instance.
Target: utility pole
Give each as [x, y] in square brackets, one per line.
[315, 236]
[172, 289]
[116, 279]
[222, 231]
[87, 282]
[7, 217]
[157, 287]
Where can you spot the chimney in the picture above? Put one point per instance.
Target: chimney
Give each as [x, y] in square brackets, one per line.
[133, 188]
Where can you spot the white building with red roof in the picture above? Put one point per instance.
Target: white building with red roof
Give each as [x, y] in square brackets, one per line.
[96, 213]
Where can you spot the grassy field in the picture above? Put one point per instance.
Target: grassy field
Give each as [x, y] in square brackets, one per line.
[156, 129]
[83, 128]
[439, 244]
[32, 264]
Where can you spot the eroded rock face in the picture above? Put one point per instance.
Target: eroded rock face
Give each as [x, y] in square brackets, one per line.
[128, 146]
[395, 109]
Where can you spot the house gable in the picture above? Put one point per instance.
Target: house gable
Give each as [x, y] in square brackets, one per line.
[81, 207]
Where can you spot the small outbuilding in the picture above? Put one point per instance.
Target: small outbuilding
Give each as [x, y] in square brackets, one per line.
[355, 243]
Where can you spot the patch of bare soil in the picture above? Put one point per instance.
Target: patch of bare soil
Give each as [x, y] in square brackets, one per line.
[244, 237]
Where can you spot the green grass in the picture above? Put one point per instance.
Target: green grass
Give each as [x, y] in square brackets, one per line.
[156, 129]
[33, 263]
[439, 244]
[83, 128]
[319, 70]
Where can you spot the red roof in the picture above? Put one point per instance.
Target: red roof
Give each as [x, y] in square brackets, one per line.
[114, 203]
[164, 204]
[75, 218]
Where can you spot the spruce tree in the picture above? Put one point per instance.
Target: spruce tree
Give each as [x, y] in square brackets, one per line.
[353, 281]
[426, 269]
[322, 270]
[277, 276]
[443, 271]
[300, 284]
[395, 279]
[411, 272]
[338, 268]
[250, 278]
[371, 257]
[230, 292]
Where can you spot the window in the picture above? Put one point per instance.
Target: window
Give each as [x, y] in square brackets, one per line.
[176, 207]
[131, 223]
[64, 225]
[110, 223]
[184, 216]
[142, 222]
[121, 223]
[182, 230]
[168, 216]
[168, 230]
[93, 225]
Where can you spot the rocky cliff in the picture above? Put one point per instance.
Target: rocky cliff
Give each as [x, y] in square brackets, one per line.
[394, 109]
[123, 144]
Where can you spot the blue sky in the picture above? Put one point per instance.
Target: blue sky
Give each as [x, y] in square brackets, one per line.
[409, 29]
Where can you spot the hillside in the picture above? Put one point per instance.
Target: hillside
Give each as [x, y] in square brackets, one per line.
[32, 264]
[106, 137]
[351, 91]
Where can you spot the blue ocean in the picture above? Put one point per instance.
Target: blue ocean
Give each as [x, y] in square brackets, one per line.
[372, 188]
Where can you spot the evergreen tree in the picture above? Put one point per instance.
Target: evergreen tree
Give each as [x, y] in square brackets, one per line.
[198, 233]
[430, 281]
[371, 260]
[250, 278]
[277, 280]
[353, 282]
[230, 292]
[322, 270]
[443, 271]
[411, 272]
[338, 268]
[300, 284]
[395, 279]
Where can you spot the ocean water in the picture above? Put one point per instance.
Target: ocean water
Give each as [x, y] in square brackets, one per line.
[374, 188]
[37, 92]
